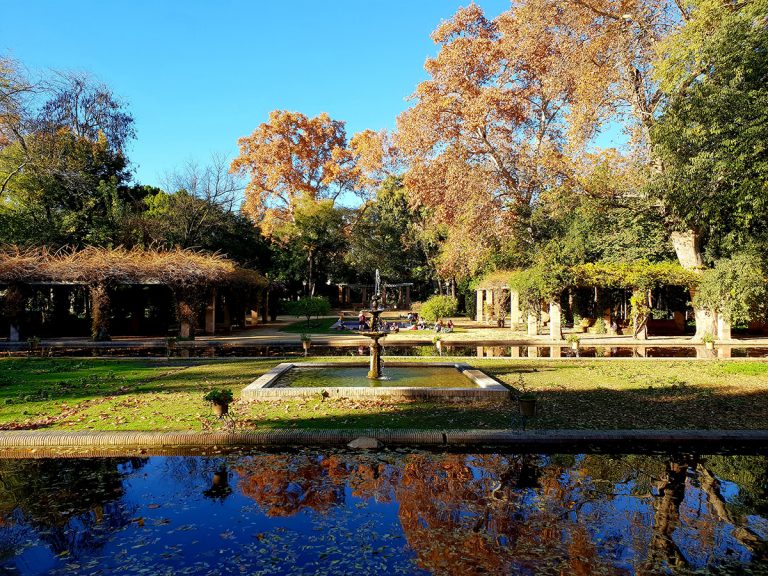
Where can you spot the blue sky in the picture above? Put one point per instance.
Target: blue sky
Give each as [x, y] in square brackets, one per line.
[198, 75]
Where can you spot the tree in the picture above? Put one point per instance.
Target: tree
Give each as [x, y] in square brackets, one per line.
[289, 158]
[63, 172]
[735, 288]
[712, 137]
[309, 306]
[384, 236]
[201, 202]
[484, 138]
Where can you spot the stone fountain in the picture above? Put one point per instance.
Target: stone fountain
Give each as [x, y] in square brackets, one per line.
[376, 332]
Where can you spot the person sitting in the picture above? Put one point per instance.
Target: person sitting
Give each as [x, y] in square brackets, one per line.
[448, 327]
[361, 321]
[439, 326]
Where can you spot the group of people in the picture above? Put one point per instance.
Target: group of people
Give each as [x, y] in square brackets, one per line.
[415, 322]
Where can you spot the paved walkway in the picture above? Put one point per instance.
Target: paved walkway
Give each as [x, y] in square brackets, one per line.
[475, 334]
[41, 443]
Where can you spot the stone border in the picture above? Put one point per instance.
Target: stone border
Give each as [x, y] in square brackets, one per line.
[30, 443]
[487, 388]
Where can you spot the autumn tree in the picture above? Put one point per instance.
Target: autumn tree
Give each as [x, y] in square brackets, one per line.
[289, 158]
[485, 136]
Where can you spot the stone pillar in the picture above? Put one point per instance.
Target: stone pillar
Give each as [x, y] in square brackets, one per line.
[491, 302]
[515, 315]
[479, 305]
[640, 351]
[724, 351]
[514, 351]
[210, 316]
[364, 295]
[375, 367]
[555, 316]
[723, 328]
[341, 294]
[555, 352]
[533, 352]
[533, 329]
[480, 351]
[13, 336]
[408, 298]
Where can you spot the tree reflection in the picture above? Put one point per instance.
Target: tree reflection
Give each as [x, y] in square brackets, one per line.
[521, 513]
[73, 504]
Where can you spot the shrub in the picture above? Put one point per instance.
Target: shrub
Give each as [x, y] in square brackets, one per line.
[220, 396]
[307, 307]
[439, 307]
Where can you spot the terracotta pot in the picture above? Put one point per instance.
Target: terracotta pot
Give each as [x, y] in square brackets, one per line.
[527, 407]
[220, 409]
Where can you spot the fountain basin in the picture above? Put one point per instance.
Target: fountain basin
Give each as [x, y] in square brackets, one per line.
[403, 380]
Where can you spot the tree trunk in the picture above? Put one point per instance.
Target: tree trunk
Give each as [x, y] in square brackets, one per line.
[100, 313]
[688, 249]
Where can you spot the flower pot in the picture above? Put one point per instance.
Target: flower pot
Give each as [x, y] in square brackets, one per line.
[220, 408]
[306, 344]
[575, 346]
[527, 406]
[709, 345]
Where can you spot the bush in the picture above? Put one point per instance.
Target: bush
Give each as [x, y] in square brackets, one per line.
[307, 307]
[439, 307]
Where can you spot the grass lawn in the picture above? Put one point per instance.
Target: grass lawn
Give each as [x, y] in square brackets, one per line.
[121, 394]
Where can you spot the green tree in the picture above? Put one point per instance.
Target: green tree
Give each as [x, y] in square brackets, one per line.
[712, 140]
[384, 236]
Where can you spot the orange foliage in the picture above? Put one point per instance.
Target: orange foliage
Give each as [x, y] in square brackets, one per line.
[289, 158]
[485, 135]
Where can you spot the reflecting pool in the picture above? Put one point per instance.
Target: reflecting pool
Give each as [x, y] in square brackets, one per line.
[393, 512]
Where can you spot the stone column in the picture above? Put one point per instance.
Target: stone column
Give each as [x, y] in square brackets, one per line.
[723, 328]
[555, 352]
[555, 325]
[479, 305]
[724, 351]
[515, 315]
[533, 352]
[375, 366]
[408, 297]
[514, 351]
[491, 301]
[533, 329]
[210, 316]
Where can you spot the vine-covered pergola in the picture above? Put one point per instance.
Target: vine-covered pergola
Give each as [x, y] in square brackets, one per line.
[182, 286]
[528, 292]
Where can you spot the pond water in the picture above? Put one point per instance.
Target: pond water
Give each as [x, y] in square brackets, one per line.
[346, 377]
[394, 512]
[460, 349]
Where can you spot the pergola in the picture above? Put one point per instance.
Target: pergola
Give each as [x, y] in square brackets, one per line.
[532, 291]
[191, 286]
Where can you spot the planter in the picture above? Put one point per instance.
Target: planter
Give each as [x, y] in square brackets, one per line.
[575, 346]
[220, 408]
[527, 407]
[306, 344]
[709, 345]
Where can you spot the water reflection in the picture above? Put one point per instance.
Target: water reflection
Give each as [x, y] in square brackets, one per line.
[392, 512]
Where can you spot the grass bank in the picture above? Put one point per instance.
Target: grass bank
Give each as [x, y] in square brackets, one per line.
[121, 394]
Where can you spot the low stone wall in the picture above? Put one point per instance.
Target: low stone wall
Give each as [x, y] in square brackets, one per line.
[487, 388]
